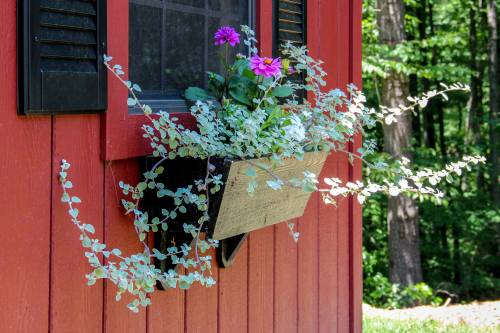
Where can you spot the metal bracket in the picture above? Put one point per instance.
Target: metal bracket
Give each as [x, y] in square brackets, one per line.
[228, 248]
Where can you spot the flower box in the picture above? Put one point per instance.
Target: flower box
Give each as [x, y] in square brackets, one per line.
[232, 210]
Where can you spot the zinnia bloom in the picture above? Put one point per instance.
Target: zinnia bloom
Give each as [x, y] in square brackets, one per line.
[227, 35]
[266, 67]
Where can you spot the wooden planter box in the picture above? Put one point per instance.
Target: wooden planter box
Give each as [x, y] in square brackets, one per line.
[233, 211]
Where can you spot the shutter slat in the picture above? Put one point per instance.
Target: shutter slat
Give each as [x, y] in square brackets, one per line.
[296, 2]
[68, 65]
[291, 11]
[285, 21]
[65, 21]
[291, 8]
[296, 32]
[68, 52]
[69, 7]
[64, 36]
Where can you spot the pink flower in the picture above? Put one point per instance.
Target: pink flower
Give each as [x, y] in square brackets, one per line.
[227, 35]
[266, 67]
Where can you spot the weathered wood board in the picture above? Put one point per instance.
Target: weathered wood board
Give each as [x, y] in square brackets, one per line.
[240, 212]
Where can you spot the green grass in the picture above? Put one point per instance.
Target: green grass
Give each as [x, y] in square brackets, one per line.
[384, 325]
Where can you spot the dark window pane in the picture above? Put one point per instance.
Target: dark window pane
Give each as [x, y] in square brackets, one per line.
[237, 7]
[184, 50]
[145, 46]
[172, 46]
[191, 3]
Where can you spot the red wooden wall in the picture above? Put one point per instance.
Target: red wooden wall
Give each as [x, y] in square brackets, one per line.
[275, 284]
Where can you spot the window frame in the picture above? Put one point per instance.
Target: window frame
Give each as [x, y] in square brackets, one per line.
[122, 137]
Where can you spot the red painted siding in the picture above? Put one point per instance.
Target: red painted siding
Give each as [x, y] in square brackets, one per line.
[275, 284]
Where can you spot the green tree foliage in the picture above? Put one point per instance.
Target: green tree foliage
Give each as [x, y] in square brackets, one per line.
[460, 238]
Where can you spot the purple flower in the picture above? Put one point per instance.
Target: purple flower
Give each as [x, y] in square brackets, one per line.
[266, 67]
[227, 35]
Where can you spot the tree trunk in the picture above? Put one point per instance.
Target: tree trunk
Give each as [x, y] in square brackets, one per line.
[475, 105]
[402, 218]
[494, 101]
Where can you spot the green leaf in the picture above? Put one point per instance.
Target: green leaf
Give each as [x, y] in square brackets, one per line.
[240, 96]
[308, 188]
[89, 228]
[275, 184]
[147, 109]
[137, 88]
[73, 212]
[251, 172]
[159, 170]
[216, 77]
[184, 285]
[131, 102]
[252, 185]
[86, 242]
[249, 74]
[65, 197]
[240, 66]
[282, 91]
[142, 186]
[196, 94]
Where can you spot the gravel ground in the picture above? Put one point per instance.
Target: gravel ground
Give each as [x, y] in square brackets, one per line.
[479, 314]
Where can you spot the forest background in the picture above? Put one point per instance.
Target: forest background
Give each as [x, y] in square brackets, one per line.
[421, 252]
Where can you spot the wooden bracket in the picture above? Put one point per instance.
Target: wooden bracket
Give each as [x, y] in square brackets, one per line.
[228, 248]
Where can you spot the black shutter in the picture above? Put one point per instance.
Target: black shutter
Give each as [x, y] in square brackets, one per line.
[61, 44]
[289, 23]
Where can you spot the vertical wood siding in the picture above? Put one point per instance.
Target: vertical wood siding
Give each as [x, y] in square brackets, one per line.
[275, 284]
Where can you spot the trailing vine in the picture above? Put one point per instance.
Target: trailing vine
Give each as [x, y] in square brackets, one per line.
[249, 112]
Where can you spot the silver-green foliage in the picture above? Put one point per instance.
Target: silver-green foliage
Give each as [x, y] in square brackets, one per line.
[243, 116]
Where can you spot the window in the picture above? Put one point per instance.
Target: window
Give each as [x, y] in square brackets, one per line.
[171, 48]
